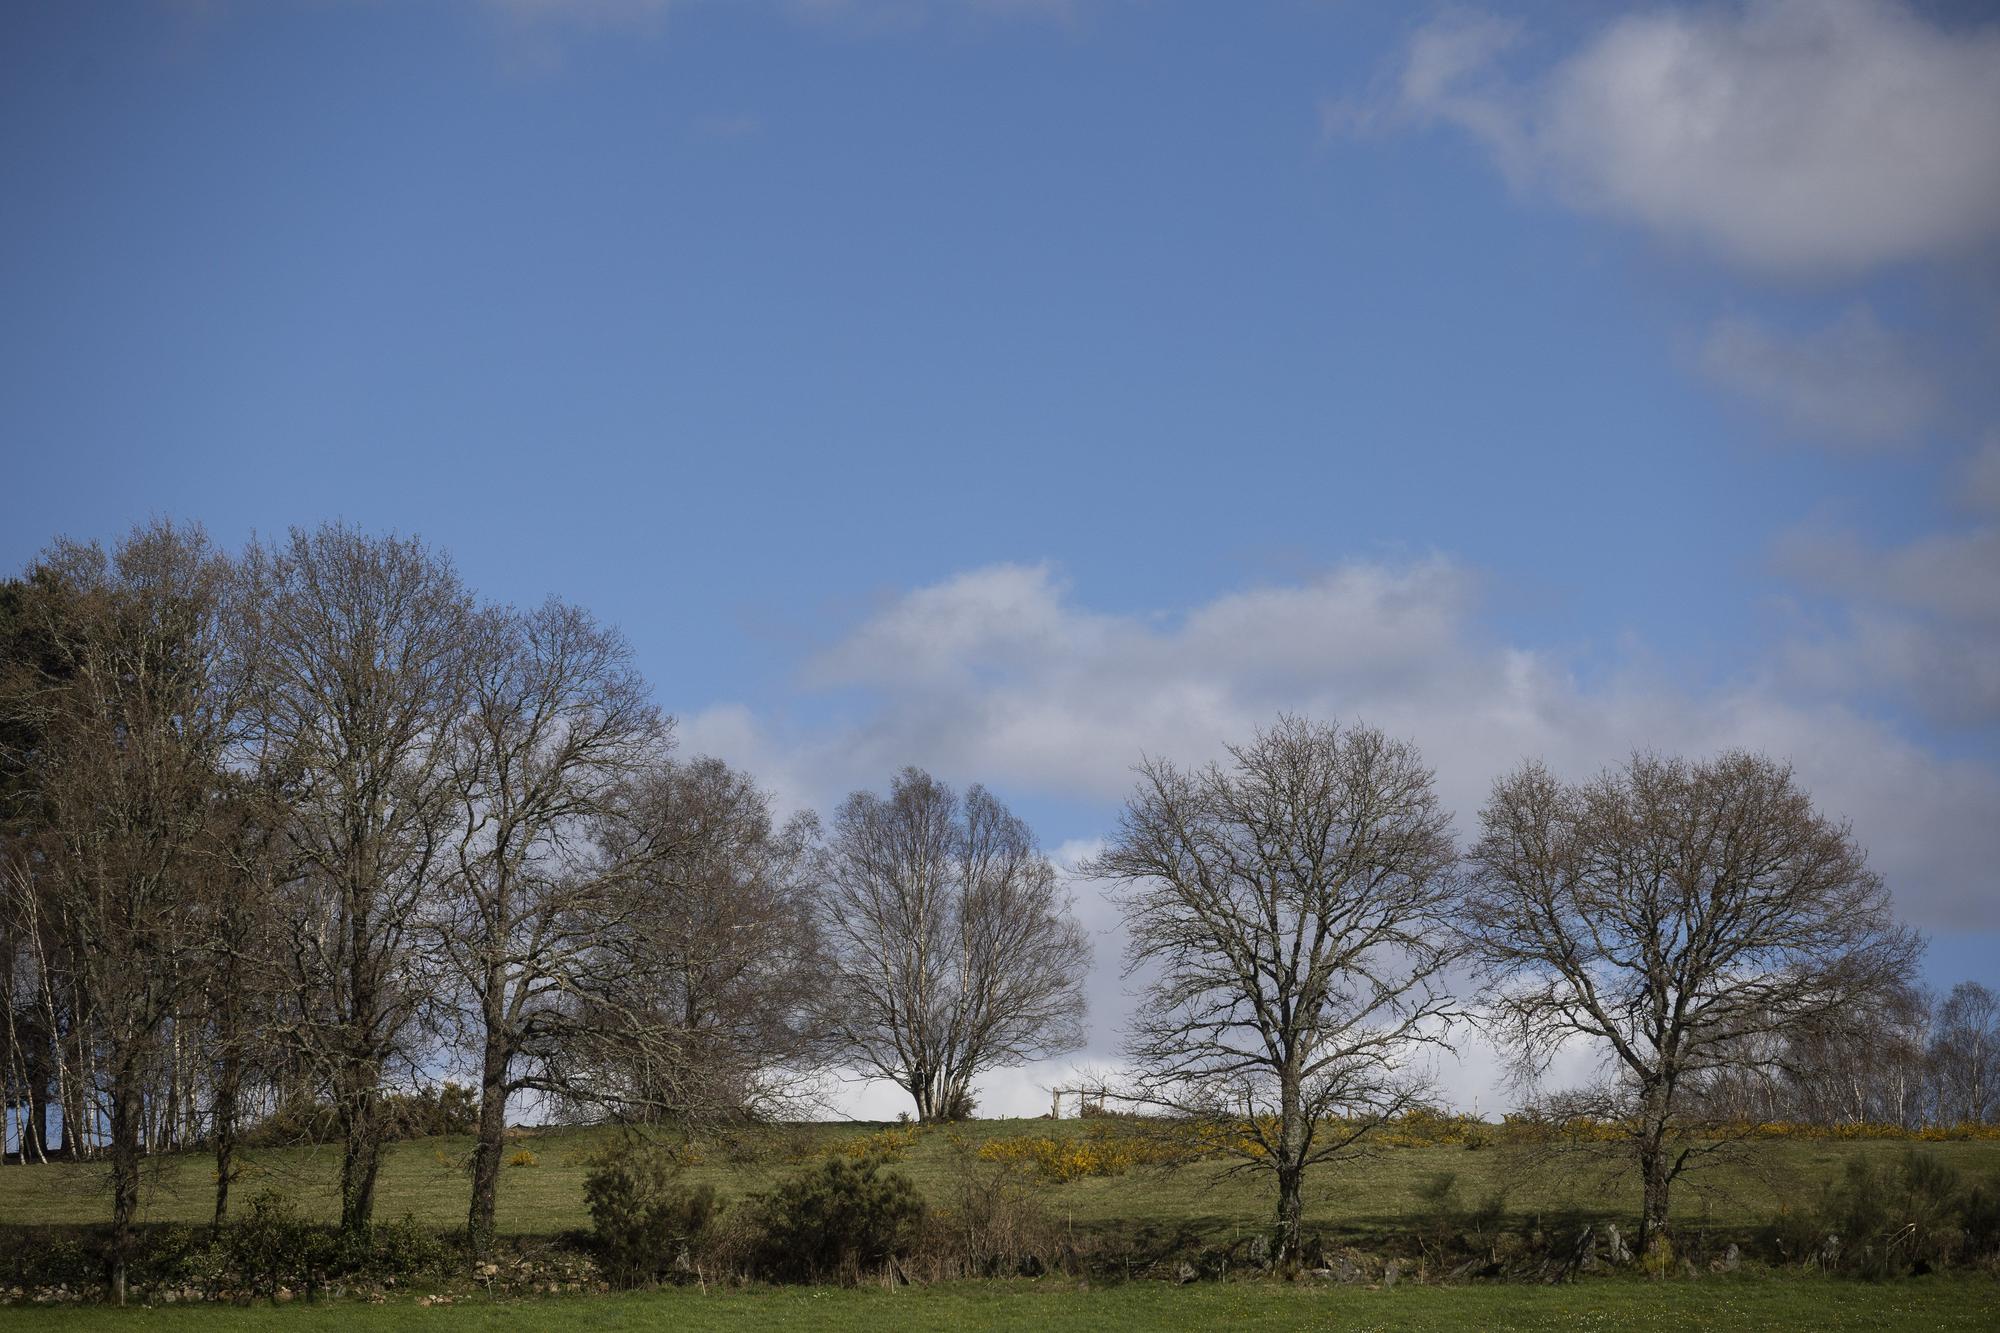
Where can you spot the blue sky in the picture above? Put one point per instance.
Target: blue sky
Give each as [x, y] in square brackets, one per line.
[1013, 386]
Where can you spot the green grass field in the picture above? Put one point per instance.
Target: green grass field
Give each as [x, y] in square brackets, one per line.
[1623, 1303]
[426, 1179]
[1370, 1199]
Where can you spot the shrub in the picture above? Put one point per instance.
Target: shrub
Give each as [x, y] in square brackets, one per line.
[1896, 1219]
[837, 1220]
[524, 1158]
[449, 1108]
[1889, 1219]
[272, 1247]
[992, 1222]
[296, 1120]
[1107, 1148]
[643, 1218]
[886, 1145]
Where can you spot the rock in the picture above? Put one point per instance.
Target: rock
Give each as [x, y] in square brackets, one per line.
[1391, 1273]
[282, 1295]
[1185, 1273]
[1615, 1248]
[1344, 1269]
[1731, 1260]
[1260, 1249]
[1688, 1269]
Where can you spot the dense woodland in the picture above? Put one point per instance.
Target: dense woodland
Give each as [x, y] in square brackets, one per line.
[292, 835]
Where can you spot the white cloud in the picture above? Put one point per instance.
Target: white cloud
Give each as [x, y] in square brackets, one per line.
[1852, 383]
[1790, 135]
[1922, 619]
[1000, 675]
[1955, 575]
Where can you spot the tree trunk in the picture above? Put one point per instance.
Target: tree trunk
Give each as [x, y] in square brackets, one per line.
[1653, 1203]
[492, 1140]
[361, 1156]
[1291, 1172]
[228, 1092]
[35, 1126]
[75, 1132]
[1291, 1216]
[126, 1110]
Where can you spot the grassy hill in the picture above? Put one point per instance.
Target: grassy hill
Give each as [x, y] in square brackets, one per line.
[1377, 1195]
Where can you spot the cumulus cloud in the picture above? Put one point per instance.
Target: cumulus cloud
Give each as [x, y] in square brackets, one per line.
[1922, 619]
[1789, 135]
[1003, 675]
[1852, 384]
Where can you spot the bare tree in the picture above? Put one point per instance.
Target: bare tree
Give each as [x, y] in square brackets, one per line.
[717, 954]
[953, 950]
[363, 647]
[1672, 912]
[132, 732]
[1864, 1063]
[556, 719]
[1965, 1053]
[239, 958]
[31, 659]
[1289, 913]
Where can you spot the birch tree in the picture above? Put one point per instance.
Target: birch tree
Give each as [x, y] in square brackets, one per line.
[132, 731]
[1965, 1053]
[953, 949]
[719, 951]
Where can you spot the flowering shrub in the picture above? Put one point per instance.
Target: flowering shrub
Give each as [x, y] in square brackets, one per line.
[886, 1145]
[1105, 1150]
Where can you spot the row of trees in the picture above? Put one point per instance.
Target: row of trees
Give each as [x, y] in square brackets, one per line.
[308, 822]
[1913, 1060]
[304, 824]
[1306, 928]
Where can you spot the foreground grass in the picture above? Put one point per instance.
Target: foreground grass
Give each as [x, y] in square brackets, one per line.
[1374, 1196]
[1733, 1303]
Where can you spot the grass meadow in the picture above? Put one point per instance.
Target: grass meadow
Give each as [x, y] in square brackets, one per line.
[1376, 1199]
[1739, 1302]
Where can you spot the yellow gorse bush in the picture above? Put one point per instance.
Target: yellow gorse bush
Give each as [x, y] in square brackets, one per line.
[887, 1145]
[1062, 1159]
[1103, 1150]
